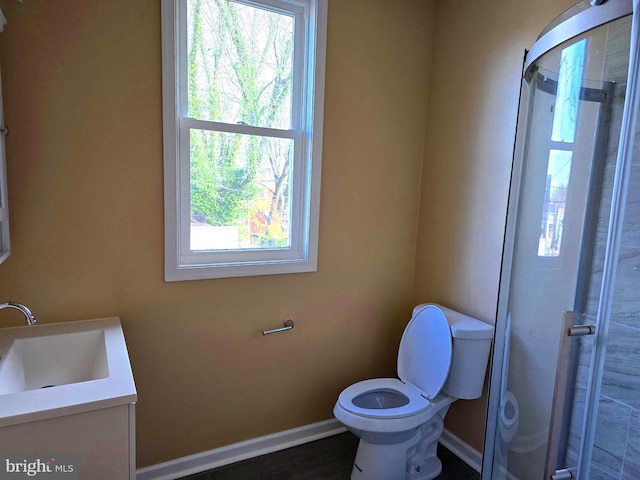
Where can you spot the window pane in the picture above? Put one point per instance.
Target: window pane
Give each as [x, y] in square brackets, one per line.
[555, 201]
[240, 191]
[565, 117]
[240, 64]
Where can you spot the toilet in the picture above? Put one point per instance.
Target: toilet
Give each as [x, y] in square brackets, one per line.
[442, 357]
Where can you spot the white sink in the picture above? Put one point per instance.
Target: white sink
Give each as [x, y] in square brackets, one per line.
[52, 360]
[49, 370]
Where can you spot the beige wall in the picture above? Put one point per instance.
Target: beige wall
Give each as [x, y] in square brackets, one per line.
[473, 104]
[82, 93]
[81, 83]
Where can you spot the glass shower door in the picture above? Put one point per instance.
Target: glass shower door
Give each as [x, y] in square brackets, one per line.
[571, 106]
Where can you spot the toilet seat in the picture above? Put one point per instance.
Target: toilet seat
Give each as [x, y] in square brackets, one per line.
[416, 402]
[424, 359]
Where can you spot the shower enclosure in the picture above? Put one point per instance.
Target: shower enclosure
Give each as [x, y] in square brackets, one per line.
[565, 380]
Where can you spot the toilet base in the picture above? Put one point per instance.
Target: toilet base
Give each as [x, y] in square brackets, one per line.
[414, 458]
[384, 470]
[382, 462]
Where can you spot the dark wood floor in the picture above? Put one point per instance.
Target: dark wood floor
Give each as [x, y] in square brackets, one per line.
[329, 458]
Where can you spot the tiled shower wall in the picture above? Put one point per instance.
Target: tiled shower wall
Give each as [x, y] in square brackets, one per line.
[616, 453]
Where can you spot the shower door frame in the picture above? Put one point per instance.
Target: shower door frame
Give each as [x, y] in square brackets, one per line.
[580, 23]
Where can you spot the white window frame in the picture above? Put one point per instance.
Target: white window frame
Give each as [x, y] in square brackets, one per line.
[307, 118]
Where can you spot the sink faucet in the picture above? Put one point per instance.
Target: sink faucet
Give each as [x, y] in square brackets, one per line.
[31, 320]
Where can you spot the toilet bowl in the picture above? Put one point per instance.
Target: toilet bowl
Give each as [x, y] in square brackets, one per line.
[442, 357]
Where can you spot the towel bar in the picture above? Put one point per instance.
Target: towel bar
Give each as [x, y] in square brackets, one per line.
[288, 325]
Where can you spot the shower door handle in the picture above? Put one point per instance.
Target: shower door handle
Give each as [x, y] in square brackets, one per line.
[563, 474]
[579, 330]
[560, 393]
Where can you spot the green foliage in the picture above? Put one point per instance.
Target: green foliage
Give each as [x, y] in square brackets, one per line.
[227, 81]
[219, 189]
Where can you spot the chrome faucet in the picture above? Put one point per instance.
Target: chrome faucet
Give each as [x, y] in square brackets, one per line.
[31, 320]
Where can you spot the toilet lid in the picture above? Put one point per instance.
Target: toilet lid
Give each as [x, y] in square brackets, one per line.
[424, 356]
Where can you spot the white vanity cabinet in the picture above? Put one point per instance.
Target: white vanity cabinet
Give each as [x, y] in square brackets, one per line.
[100, 443]
[67, 391]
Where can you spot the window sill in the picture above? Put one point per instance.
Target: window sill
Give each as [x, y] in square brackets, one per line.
[204, 272]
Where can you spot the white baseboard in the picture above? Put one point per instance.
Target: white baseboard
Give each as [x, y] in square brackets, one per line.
[200, 462]
[462, 450]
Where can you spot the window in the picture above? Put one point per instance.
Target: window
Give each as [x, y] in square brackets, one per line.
[563, 136]
[243, 85]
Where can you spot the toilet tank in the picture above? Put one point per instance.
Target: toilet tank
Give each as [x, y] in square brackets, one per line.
[470, 355]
